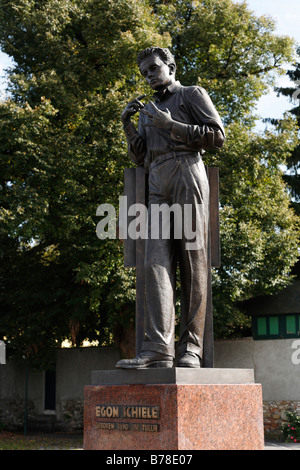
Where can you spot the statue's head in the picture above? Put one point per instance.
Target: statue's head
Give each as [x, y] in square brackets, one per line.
[157, 65]
[164, 53]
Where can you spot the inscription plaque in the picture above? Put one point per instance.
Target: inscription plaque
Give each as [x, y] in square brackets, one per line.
[145, 427]
[141, 412]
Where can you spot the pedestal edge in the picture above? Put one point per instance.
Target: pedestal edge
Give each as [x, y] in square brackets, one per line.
[176, 375]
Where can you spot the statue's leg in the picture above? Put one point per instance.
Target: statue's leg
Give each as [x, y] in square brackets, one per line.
[158, 349]
[193, 261]
[160, 282]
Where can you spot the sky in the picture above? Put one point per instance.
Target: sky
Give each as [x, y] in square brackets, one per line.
[286, 13]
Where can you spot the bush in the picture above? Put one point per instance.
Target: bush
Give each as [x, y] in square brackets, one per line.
[291, 429]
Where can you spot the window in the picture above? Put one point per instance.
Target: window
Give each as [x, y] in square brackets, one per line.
[276, 326]
[50, 389]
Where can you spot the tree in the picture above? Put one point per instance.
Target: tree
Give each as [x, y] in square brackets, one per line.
[63, 152]
[224, 47]
[259, 230]
[292, 176]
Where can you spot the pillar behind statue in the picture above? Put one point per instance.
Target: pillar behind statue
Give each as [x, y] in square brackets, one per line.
[135, 190]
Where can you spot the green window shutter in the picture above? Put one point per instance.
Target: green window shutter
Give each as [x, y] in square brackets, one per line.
[276, 327]
[273, 326]
[291, 325]
[261, 326]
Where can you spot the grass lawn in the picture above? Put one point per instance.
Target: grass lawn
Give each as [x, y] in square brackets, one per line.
[55, 441]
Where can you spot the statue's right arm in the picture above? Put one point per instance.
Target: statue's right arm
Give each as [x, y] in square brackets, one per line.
[135, 139]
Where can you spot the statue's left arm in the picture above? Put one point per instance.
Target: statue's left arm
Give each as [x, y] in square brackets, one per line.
[208, 131]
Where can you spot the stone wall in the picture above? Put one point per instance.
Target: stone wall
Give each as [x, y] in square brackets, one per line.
[273, 368]
[71, 415]
[271, 361]
[12, 413]
[274, 416]
[73, 372]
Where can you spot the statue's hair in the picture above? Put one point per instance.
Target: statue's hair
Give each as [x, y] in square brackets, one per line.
[164, 53]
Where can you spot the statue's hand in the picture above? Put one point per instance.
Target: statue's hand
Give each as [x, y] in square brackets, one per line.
[132, 108]
[158, 118]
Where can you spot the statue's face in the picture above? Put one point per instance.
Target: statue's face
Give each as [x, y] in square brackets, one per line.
[156, 72]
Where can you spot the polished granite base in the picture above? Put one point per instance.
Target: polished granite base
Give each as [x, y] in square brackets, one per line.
[173, 409]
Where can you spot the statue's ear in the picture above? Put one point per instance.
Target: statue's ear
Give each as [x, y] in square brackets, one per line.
[172, 69]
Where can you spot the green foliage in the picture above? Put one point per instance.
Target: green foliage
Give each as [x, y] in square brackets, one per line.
[291, 429]
[63, 152]
[222, 46]
[293, 162]
[227, 49]
[259, 231]
[292, 176]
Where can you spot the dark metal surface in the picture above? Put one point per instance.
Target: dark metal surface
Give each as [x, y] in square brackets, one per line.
[130, 192]
[140, 271]
[173, 133]
[135, 188]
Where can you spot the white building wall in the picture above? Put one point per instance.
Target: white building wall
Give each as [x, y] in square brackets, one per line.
[276, 364]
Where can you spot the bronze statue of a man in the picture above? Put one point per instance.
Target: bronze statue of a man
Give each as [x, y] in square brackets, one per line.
[172, 136]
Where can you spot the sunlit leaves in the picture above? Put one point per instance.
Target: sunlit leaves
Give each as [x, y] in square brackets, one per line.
[223, 46]
[63, 152]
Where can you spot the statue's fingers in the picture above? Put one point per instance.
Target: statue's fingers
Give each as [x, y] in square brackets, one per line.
[137, 103]
[144, 111]
[140, 104]
[154, 106]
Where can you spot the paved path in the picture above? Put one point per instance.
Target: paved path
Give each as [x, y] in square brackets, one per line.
[272, 445]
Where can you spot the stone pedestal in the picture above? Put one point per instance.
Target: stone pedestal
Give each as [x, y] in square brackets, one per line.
[173, 409]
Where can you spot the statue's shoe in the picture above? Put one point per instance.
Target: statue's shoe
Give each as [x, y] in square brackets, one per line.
[146, 359]
[189, 359]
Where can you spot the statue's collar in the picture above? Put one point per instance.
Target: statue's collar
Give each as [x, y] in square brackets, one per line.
[172, 88]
